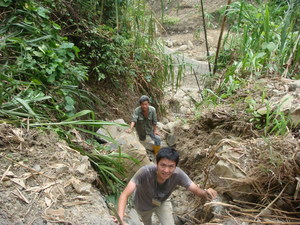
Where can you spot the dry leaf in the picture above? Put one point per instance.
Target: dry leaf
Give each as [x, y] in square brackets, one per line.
[19, 182]
[48, 201]
[18, 133]
[19, 194]
[11, 174]
[5, 173]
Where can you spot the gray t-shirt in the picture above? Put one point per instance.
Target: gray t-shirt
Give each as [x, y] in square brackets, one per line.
[148, 188]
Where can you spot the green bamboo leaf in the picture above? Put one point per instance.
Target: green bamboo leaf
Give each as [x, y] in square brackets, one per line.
[40, 39]
[95, 123]
[79, 114]
[124, 155]
[26, 106]
[14, 113]
[109, 139]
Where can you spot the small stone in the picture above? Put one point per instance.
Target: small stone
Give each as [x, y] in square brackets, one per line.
[182, 48]
[165, 120]
[179, 95]
[297, 83]
[7, 183]
[82, 168]
[80, 187]
[171, 140]
[186, 127]
[295, 116]
[60, 168]
[169, 43]
[190, 45]
[183, 110]
[37, 167]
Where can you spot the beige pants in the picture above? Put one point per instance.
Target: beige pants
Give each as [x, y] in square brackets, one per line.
[163, 212]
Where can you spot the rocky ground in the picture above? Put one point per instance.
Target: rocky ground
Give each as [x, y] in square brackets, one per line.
[220, 148]
[43, 181]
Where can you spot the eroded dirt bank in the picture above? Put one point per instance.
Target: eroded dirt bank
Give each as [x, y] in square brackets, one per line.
[43, 181]
[256, 175]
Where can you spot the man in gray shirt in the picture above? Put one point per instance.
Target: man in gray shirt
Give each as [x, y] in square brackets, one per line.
[152, 185]
[144, 119]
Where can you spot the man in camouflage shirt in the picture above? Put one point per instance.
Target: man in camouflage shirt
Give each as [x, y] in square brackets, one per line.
[144, 119]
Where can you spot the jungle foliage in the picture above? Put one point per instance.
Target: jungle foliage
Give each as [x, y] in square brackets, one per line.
[49, 49]
[262, 40]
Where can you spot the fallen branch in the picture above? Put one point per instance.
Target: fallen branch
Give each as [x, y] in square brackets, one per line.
[260, 205]
[223, 204]
[278, 196]
[262, 222]
[281, 217]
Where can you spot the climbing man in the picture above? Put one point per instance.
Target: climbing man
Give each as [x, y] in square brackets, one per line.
[153, 184]
[144, 119]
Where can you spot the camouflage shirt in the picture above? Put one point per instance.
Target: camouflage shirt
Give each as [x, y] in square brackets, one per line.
[143, 125]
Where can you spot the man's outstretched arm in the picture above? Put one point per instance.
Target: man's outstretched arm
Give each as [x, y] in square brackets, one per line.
[206, 194]
[129, 189]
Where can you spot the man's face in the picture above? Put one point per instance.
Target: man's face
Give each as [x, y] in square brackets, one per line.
[165, 169]
[145, 106]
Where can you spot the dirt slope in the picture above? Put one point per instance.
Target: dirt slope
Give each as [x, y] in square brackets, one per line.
[43, 181]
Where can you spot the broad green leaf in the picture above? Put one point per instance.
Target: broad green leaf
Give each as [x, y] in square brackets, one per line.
[66, 45]
[271, 46]
[38, 54]
[56, 26]
[5, 3]
[43, 12]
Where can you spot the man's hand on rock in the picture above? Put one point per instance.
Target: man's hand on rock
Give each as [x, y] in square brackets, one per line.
[117, 221]
[211, 193]
[129, 130]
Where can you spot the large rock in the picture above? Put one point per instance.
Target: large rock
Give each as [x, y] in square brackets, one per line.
[295, 116]
[129, 144]
[226, 174]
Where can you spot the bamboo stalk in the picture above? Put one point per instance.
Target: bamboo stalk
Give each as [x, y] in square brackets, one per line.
[220, 37]
[289, 62]
[205, 36]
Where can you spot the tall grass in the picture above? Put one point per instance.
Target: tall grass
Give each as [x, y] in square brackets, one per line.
[263, 37]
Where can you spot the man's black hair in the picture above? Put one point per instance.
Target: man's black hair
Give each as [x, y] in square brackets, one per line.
[144, 98]
[168, 153]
